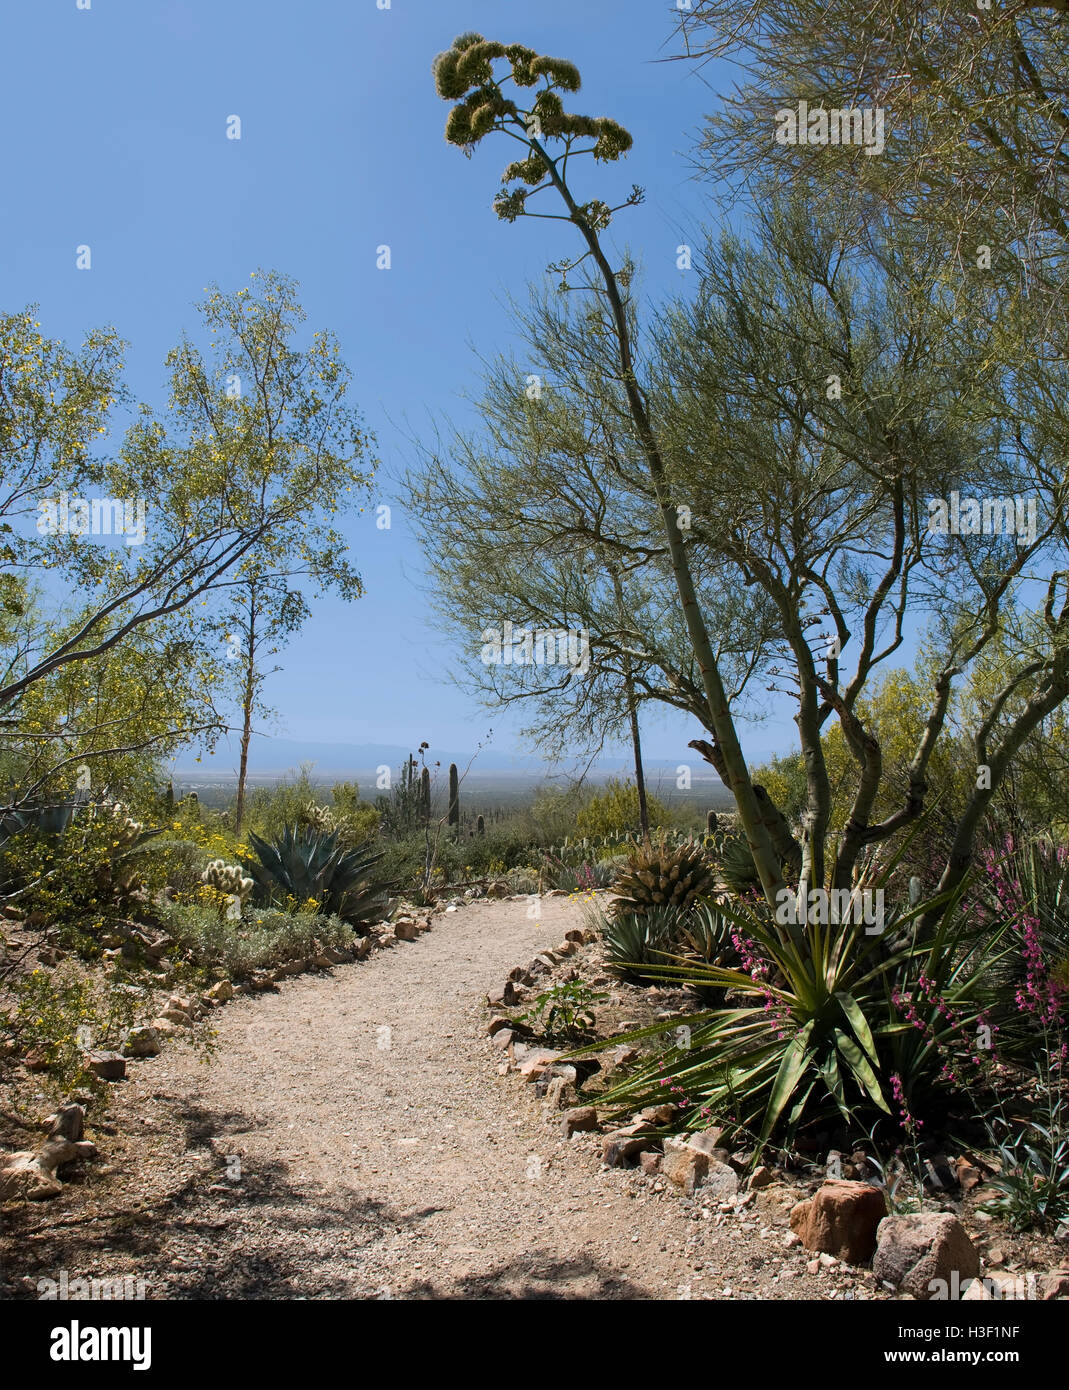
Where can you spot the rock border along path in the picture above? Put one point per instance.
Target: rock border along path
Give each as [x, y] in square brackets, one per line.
[353, 1138]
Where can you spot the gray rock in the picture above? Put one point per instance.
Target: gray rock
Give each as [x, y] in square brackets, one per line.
[142, 1042]
[915, 1252]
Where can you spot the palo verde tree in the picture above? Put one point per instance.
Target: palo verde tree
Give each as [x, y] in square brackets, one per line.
[552, 140]
[258, 442]
[261, 609]
[973, 103]
[971, 162]
[544, 516]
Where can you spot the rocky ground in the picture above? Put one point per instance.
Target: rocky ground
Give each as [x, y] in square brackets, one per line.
[359, 1135]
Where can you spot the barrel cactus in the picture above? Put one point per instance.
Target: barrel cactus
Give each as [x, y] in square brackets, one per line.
[659, 875]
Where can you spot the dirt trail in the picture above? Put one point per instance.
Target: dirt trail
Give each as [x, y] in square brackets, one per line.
[382, 1155]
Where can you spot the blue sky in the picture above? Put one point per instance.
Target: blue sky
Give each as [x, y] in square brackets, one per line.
[116, 119]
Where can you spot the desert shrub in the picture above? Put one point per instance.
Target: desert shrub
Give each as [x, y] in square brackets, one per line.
[552, 813]
[181, 863]
[98, 868]
[615, 809]
[191, 822]
[358, 821]
[262, 940]
[495, 852]
[269, 810]
[1032, 1186]
[59, 1014]
[584, 877]
[565, 1011]
[523, 880]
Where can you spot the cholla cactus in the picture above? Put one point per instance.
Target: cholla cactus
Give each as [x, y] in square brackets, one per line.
[229, 881]
[126, 830]
[319, 817]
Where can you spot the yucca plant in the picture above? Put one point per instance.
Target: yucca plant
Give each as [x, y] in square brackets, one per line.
[305, 863]
[836, 1021]
[658, 874]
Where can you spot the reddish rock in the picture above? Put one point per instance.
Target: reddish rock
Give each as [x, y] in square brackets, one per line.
[108, 1066]
[506, 995]
[709, 1140]
[581, 1117]
[657, 1114]
[688, 1167]
[624, 1144]
[841, 1218]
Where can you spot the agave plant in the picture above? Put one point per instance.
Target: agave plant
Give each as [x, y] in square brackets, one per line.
[707, 934]
[306, 863]
[658, 874]
[50, 821]
[738, 872]
[637, 940]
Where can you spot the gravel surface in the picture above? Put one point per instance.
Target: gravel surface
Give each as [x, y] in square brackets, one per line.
[354, 1138]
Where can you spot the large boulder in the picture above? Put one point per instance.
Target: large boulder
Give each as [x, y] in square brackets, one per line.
[841, 1219]
[924, 1254]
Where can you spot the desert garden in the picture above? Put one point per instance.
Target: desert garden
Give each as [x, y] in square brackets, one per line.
[619, 1038]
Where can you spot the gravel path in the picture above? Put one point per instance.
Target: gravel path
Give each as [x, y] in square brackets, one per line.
[382, 1155]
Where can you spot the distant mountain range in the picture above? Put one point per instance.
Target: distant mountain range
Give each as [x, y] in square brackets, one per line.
[274, 757]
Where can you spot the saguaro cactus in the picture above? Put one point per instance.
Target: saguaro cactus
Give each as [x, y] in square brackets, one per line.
[425, 794]
[480, 826]
[711, 822]
[454, 797]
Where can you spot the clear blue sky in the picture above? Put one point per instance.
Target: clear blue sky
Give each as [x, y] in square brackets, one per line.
[116, 137]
